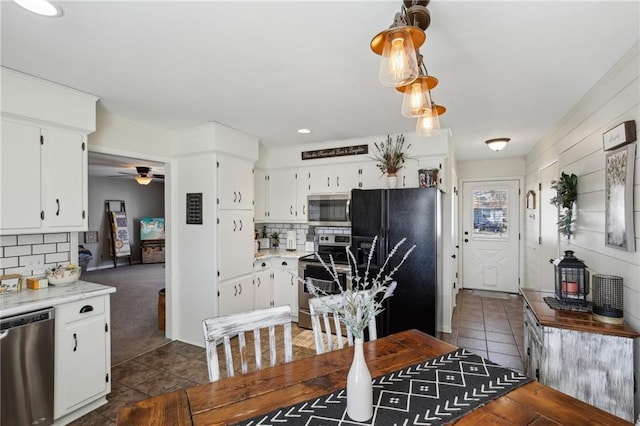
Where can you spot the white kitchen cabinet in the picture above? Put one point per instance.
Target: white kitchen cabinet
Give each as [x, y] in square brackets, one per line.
[288, 189]
[43, 178]
[20, 177]
[236, 243]
[370, 176]
[282, 195]
[262, 284]
[236, 295]
[285, 283]
[82, 354]
[330, 179]
[235, 183]
[261, 196]
[408, 175]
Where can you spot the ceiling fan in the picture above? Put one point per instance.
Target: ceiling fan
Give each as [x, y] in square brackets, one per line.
[144, 175]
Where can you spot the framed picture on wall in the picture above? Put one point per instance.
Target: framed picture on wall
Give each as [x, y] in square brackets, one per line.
[619, 172]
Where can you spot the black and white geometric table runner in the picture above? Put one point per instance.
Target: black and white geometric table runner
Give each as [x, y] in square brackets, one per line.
[429, 393]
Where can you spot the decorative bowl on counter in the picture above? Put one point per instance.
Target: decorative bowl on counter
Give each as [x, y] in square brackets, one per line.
[64, 275]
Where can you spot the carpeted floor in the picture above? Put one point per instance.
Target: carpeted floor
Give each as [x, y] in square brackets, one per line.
[134, 308]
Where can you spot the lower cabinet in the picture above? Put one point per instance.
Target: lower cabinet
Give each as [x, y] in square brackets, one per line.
[285, 283]
[594, 367]
[82, 354]
[236, 295]
[263, 285]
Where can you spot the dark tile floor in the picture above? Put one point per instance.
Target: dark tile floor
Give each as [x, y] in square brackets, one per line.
[487, 323]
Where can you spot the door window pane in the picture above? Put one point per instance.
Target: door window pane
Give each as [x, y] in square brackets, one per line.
[490, 214]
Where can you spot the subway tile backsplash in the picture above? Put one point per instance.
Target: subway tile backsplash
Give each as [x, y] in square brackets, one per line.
[304, 232]
[33, 254]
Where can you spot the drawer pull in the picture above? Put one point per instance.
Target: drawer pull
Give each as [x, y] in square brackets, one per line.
[86, 308]
[284, 263]
[264, 264]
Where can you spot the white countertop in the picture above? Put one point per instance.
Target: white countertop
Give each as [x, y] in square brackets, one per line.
[28, 300]
[269, 253]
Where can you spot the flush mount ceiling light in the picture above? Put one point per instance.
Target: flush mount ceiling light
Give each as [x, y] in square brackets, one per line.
[498, 143]
[397, 45]
[40, 7]
[304, 131]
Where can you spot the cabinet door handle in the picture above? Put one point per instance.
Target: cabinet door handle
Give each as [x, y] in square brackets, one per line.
[241, 224]
[234, 226]
[86, 308]
[291, 279]
[239, 196]
[58, 203]
[403, 181]
[303, 210]
[290, 210]
[240, 285]
[235, 290]
[328, 184]
[235, 196]
[258, 281]
[75, 342]
[338, 181]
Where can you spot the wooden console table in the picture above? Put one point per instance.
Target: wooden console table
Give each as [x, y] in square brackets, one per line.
[578, 355]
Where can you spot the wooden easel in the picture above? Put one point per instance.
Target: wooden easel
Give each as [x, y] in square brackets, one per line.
[119, 232]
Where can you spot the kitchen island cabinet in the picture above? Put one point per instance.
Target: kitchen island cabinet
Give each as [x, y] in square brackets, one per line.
[575, 354]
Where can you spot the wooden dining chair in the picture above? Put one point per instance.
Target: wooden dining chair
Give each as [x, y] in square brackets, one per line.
[323, 321]
[223, 329]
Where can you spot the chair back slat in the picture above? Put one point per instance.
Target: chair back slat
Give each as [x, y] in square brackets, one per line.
[319, 308]
[223, 329]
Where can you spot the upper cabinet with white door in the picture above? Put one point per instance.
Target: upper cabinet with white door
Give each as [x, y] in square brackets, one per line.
[235, 183]
[332, 179]
[43, 155]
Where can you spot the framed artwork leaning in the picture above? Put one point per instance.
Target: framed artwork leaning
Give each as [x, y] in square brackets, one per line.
[619, 175]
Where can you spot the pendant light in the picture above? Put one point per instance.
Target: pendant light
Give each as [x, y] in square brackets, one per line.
[429, 124]
[397, 45]
[416, 98]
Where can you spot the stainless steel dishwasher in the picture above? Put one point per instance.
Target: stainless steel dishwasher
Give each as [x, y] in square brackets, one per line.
[26, 368]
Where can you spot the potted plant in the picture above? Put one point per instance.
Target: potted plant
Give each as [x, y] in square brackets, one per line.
[275, 240]
[391, 156]
[566, 195]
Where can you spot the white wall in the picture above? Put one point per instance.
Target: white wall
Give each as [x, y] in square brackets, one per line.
[490, 169]
[576, 142]
[140, 201]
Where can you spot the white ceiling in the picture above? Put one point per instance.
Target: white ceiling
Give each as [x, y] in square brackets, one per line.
[506, 68]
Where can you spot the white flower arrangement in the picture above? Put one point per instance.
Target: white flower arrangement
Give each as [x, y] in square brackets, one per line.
[363, 300]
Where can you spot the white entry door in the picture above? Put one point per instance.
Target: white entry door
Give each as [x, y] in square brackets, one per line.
[490, 235]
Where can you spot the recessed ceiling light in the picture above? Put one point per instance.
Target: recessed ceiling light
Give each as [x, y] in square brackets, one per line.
[41, 7]
[304, 131]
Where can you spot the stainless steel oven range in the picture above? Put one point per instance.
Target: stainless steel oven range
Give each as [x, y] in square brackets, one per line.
[309, 267]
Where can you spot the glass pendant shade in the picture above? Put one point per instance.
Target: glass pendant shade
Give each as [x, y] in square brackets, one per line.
[428, 124]
[399, 65]
[416, 100]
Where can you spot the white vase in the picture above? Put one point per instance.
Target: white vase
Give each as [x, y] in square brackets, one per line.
[392, 180]
[359, 388]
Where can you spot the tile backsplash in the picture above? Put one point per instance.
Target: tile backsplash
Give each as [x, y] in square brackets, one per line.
[33, 254]
[304, 232]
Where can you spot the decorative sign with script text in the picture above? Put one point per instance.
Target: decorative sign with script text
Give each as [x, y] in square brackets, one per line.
[621, 134]
[335, 152]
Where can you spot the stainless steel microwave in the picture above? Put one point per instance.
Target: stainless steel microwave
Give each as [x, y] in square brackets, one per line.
[329, 209]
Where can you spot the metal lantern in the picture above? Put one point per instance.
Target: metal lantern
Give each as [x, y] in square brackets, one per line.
[571, 279]
[607, 299]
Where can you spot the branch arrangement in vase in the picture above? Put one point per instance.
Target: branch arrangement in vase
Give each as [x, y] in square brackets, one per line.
[391, 155]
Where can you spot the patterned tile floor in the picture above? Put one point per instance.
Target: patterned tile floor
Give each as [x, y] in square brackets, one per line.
[487, 323]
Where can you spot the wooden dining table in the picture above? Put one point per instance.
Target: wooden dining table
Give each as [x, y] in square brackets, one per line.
[244, 397]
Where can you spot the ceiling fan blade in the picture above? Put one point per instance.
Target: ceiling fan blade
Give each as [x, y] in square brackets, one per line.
[127, 174]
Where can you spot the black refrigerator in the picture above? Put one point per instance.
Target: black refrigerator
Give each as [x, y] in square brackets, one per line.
[393, 214]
